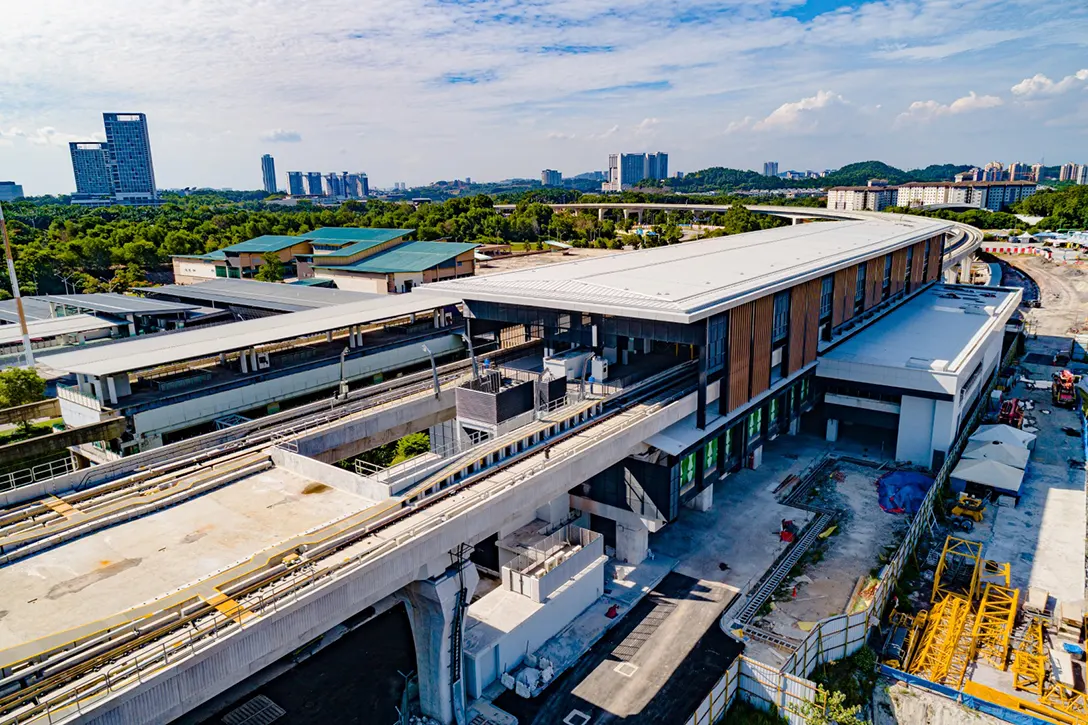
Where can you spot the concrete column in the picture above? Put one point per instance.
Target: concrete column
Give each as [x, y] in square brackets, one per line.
[555, 511]
[97, 385]
[328, 336]
[640, 216]
[351, 337]
[965, 270]
[626, 213]
[222, 358]
[795, 425]
[112, 388]
[431, 605]
[632, 542]
[131, 324]
[600, 214]
[243, 359]
[253, 359]
[832, 430]
[756, 457]
[703, 501]
[412, 319]
[794, 221]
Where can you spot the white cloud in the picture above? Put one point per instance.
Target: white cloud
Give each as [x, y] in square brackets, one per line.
[560, 136]
[646, 127]
[281, 136]
[929, 110]
[1040, 85]
[799, 115]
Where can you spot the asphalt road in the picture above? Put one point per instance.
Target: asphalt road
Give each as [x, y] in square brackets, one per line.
[670, 651]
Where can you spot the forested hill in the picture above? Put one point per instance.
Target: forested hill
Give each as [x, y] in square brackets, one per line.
[856, 174]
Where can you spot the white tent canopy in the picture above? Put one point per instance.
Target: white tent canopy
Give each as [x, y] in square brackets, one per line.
[1004, 434]
[1011, 455]
[998, 476]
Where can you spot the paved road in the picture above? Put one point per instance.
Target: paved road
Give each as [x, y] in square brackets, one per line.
[669, 652]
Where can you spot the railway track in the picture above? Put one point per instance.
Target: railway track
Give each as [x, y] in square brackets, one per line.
[52, 684]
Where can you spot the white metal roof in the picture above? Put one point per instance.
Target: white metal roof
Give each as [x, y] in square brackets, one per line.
[54, 327]
[936, 331]
[151, 351]
[265, 295]
[687, 282]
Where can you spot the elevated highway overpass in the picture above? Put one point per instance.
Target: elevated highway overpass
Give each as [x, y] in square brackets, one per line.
[961, 245]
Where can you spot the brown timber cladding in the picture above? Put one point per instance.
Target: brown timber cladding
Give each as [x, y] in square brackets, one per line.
[842, 304]
[936, 249]
[916, 271]
[761, 344]
[874, 279]
[804, 324]
[740, 353]
[899, 268]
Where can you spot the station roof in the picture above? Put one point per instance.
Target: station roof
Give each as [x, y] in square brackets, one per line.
[264, 244]
[408, 257]
[693, 280]
[150, 351]
[936, 331]
[264, 295]
[106, 303]
[69, 325]
[357, 234]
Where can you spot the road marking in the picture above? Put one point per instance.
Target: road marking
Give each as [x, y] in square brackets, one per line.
[576, 717]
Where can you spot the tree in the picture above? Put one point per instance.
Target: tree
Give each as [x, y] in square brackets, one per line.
[20, 386]
[272, 270]
[412, 445]
[829, 708]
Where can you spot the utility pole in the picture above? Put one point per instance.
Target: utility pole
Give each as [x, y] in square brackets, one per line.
[15, 290]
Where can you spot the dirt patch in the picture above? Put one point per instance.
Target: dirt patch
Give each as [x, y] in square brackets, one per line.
[900, 704]
[81, 582]
[863, 539]
[196, 535]
[313, 488]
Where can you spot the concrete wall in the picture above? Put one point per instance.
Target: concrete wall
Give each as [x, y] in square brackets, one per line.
[358, 282]
[334, 476]
[509, 649]
[358, 433]
[199, 410]
[914, 440]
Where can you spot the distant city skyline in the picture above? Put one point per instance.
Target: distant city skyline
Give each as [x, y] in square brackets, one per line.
[521, 87]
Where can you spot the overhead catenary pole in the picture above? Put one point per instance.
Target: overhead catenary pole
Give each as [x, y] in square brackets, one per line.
[15, 290]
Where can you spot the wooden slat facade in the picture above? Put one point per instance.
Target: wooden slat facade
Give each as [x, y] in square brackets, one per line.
[740, 354]
[799, 314]
[762, 322]
[874, 278]
[812, 323]
[899, 269]
[936, 249]
[842, 297]
[917, 274]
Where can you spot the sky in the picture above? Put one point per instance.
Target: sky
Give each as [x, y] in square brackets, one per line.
[421, 90]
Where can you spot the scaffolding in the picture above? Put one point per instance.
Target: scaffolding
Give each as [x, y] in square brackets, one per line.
[1029, 660]
[994, 623]
[939, 640]
[957, 570]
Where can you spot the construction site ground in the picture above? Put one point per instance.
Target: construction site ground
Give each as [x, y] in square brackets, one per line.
[1042, 537]
[823, 586]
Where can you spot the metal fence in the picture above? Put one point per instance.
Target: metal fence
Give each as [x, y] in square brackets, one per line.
[840, 636]
[36, 473]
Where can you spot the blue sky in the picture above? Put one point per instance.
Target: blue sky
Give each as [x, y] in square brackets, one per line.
[418, 90]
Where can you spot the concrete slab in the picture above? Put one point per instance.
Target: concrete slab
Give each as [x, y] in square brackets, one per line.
[120, 567]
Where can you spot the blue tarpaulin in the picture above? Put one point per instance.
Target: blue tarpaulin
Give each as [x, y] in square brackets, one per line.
[902, 492]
